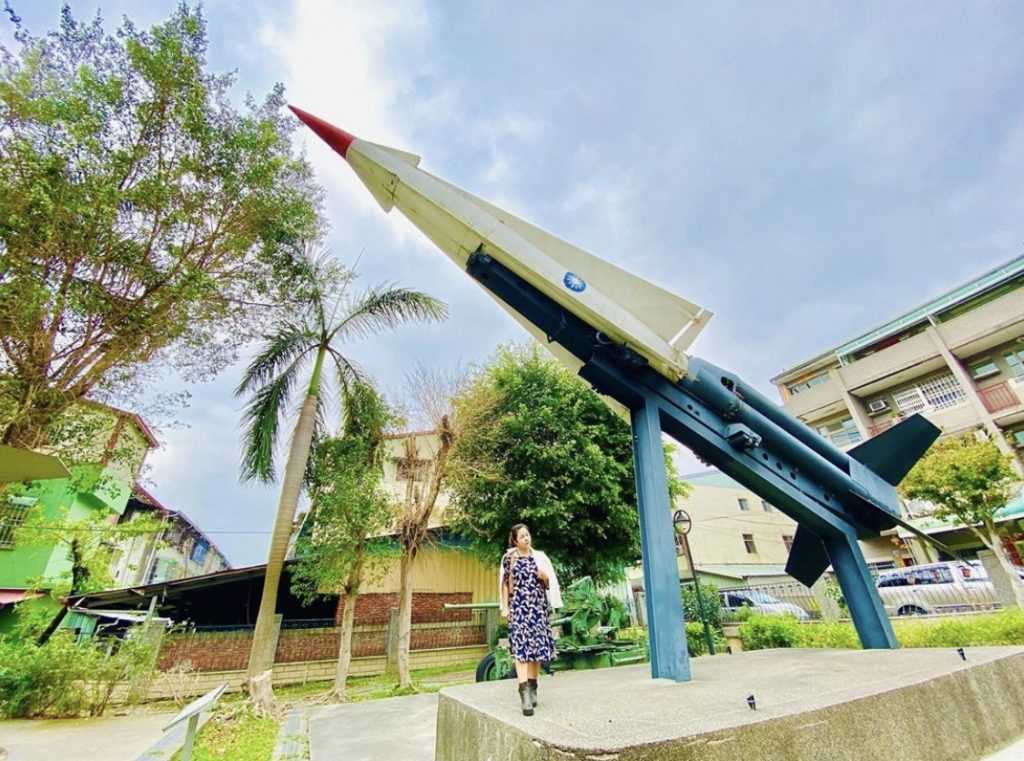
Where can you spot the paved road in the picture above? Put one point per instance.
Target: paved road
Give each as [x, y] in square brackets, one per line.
[375, 730]
[109, 738]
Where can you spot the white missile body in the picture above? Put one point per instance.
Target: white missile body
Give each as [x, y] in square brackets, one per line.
[655, 323]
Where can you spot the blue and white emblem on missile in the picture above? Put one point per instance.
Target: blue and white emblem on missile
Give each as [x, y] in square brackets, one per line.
[574, 282]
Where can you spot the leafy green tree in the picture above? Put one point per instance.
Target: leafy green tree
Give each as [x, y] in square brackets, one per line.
[336, 550]
[538, 446]
[968, 481]
[328, 317]
[145, 222]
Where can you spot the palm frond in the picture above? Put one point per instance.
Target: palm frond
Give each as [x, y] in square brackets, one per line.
[280, 349]
[385, 307]
[261, 423]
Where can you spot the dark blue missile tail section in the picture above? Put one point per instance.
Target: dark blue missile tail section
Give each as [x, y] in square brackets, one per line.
[836, 497]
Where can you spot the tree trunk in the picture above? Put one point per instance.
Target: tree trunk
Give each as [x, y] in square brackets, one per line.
[414, 529]
[348, 619]
[995, 543]
[261, 656]
[405, 616]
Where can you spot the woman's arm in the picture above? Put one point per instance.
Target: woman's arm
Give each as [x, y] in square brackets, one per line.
[505, 581]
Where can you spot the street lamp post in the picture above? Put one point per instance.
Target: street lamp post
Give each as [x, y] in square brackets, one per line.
[682, 524]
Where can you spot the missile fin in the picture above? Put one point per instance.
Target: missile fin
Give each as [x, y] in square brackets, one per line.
[893, 453]
[808, 558]
[409, 158]
[674, 319]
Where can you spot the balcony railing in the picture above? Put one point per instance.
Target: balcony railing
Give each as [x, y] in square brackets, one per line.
[998, 397]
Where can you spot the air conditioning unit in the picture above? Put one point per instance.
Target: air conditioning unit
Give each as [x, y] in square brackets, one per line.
[876, 406]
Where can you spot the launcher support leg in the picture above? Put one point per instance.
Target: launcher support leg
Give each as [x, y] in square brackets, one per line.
[666, 632]
[869, 618]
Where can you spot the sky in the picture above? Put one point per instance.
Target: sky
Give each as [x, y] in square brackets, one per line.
[805, 171]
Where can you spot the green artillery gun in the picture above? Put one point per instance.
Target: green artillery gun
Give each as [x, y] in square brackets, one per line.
[586, 635]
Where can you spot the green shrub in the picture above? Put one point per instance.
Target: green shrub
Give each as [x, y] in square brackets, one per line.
[65, 678]
[761, 632]
[832, 634]
[1003, 628]
[696, 642]
[712, 604]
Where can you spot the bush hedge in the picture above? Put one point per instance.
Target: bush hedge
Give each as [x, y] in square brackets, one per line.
[64, 678]
[1002, 628]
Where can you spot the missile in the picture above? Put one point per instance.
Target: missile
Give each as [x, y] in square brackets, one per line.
[628, 338]
[631, 311]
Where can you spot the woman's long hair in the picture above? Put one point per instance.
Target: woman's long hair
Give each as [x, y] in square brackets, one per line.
[513, 535]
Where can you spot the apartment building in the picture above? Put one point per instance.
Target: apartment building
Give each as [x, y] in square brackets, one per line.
[958, 359]
[180, 550]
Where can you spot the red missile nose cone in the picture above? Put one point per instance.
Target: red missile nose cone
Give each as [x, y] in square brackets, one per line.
[338, 139]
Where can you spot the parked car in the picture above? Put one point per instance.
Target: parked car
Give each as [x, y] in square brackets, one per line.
[734, 600]
[948, 587]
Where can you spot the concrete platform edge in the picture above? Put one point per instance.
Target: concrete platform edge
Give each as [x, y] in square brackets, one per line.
[958, 716]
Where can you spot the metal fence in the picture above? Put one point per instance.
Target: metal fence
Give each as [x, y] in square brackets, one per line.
[935, 589]
[780, 598]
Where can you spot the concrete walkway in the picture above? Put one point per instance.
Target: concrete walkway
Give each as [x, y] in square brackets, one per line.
[375, 730]
[110, 738]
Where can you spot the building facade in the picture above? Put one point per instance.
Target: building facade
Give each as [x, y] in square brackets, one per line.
[958, 359]
[180, 550]
[737, 538]
[110, 460]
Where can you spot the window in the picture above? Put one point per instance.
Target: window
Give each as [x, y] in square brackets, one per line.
[199, 550]
[943, 392]
[935, 393]
[744, 504]
[1018, 438]
[11, 517]
[748, 542]
[1015, 359]
[984, 369]
[788, 541]
[842, 434]
[767, 508]
[808, 384]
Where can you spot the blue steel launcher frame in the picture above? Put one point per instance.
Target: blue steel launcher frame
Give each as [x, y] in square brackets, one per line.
[836, 497]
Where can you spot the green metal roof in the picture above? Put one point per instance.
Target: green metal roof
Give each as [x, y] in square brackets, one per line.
[968, 290]
[930, 525]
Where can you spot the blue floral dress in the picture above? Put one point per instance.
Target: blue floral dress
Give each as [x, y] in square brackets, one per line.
[529, 633]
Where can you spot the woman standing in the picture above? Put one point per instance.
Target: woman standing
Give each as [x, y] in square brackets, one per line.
[529, 590]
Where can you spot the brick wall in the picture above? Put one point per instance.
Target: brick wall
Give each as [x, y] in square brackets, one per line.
[427, 607]
[207, 651]
[229, 651]
[300, 673]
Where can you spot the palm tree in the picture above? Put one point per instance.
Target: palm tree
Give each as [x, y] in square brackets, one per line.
[327, 317]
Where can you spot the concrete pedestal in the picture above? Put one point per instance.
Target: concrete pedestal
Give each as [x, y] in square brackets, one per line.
[812, 705]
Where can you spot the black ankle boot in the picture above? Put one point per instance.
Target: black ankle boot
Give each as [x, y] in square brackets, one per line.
[525, 698]
[533, 691]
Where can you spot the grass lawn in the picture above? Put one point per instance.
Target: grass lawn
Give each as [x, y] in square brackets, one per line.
[235, 734]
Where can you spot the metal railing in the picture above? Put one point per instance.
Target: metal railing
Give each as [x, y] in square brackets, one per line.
[782, 598]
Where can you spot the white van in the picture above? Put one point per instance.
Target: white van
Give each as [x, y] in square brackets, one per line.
[949, 587]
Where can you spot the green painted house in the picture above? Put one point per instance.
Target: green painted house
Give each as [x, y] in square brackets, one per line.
[117, 443]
